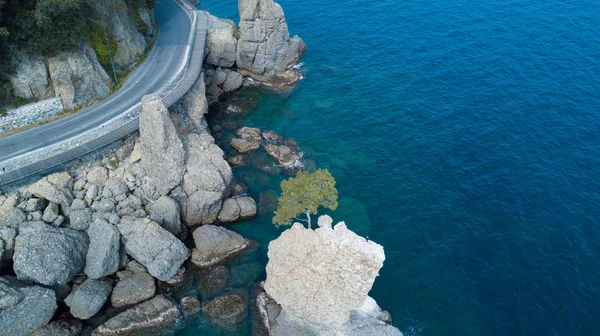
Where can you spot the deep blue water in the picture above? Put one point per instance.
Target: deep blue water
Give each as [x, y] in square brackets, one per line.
[464, 139]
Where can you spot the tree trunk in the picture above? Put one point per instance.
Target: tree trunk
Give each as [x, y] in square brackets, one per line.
[308, 216]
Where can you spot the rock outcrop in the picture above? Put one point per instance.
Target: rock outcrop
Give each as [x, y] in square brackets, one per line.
[30, 80]
[24, 308]
[154, 247]
[221, 42]
[320, 276]
[194, 105]
[161, 148]
[152, 317]
[215, 244]
[206, 180]
[265, 50]
[78, 77]
[49, 255]
[131, 43]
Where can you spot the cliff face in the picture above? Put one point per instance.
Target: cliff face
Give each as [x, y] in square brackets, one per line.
[77, 78]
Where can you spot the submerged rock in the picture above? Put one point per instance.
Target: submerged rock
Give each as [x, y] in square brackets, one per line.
[213, 281]
[286, 157]
[153, 317]
[228, 309]
[49, 255]
[24, 308]
[154, 247]
[69, 327]
[215, 244]
[324, 288]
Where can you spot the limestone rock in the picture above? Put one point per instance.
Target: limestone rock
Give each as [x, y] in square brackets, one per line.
[88, 298]
[244, 145]
[131, 43]
[80, 219]
[228, 309]
[320, 276]
[49, 255]
[215, 244]
[237, 208]
[233, 81]
[103, 254]
[51, 213]
[165, 212]
[161, 148]
[30, 79]
[206, 180]
[265, 50]
[154, 247]
[247, 207]
[194, 104]
[97, 175]
[24, 308]
[7, 237]
[78, 77]
[132, 289]
[221, 42]
[56, 188]
[9, 215]
[153, 317]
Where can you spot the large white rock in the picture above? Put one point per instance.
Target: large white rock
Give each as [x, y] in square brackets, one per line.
[221, 42]
[320, 276]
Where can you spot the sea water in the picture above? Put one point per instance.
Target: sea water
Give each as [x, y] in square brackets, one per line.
[464, 138]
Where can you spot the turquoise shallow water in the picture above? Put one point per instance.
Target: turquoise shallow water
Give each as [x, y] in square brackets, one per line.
[464, 139]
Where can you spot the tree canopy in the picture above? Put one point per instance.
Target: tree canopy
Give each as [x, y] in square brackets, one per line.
[304, 194]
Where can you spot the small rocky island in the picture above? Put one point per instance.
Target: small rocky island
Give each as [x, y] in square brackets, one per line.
[134, 241]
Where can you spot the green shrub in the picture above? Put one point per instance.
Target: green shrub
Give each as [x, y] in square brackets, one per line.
[2, 112]
[19, 101]
[98, 43]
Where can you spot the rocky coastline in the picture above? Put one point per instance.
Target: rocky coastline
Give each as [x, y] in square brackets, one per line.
[136, 242]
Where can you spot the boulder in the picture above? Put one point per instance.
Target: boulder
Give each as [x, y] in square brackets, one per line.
[77, 77]
[24, 308]
[247, 207]
[88, 298]
[324, 288]
[102, 257]
[237, 208]
[215, 244]
[165, 212]
[221, 42]
[190, 306]
[132, 289]
[154, 247]
[287, 157]
[49, 255]
[60, 328]
[115, 188]
[97, 176]
[9, 215]
[265, 50]
[244, 145]
[32, 204]
[249, 133]
[206, 180]
[7, 240]
[55, 188]
[272, 137]
[80, 219]
[228, 309]
[161, 149]
[51, 213]
[233, 81]
[153, 317]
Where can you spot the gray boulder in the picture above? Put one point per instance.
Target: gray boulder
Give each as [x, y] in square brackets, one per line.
[32, 204]
[57, 188]
[221, 42]
[51, 213]
[287, 157]
[80, 219]
[165, 212]
[206, 180]
[7, 239]
[24, 308]
[49, 255]
[161, 148]
[237, 208]
[9, 215]
[97, 175]
[102, 257]
[194, 104]
[154, 247]
[233, 81]
[265, 50]
[153, 317]
[88, 298]
[133, 288]
[215, 244]
[77, 77]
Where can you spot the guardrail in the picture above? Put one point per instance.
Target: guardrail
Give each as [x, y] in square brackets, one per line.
[172, 92]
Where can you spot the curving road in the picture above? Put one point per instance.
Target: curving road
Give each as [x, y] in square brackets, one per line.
[161, 65]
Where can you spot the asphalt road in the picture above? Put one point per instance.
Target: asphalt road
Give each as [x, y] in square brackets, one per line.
[160, 66]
